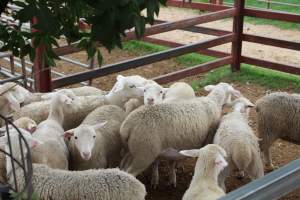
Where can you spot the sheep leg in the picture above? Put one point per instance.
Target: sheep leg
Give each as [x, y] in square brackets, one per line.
[222, 178]
[126, 159]
[139, 163]
[155, 174]
[268, 159]
[172, 175]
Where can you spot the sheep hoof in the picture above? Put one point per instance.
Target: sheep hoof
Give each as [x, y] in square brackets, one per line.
[271, 167]
[154, 185]
[240, 175]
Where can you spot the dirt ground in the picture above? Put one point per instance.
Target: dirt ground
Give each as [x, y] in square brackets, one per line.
[282, 152]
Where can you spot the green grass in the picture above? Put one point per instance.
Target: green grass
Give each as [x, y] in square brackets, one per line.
[142, 48]
[275, 7]
[249, 74]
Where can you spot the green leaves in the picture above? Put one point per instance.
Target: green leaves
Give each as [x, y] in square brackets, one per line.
[109, 20]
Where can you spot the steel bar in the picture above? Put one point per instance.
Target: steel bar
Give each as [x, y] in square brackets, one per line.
[271, 65]
[74, 62]
[137, 62]
[12, 79]
[191, 71]
[198, 6]
[272, 186]
[280, 3]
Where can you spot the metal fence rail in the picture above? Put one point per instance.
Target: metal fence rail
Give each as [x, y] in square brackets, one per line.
[272, 186]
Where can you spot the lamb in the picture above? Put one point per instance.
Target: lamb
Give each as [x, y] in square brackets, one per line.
[21, 94]
[240, 143]
[211, 161]
[278, 117]
[39, 111]
[96, 143]
[54, 152]
[66, 185]
[156, 94]
[149, 130]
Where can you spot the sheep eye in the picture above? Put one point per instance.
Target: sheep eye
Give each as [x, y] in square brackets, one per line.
[76, 137]
[145, 90]
[161, 92]
[132, 86]
[94, 136]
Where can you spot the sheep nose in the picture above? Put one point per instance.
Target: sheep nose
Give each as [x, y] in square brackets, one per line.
[150, 100]
[86, 155]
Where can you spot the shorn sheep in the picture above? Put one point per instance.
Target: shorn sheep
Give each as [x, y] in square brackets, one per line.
[277, 117]
[54, 152]
[57, 184]
[96, 143]
[240, 143]
[211, 161]
[149, 130]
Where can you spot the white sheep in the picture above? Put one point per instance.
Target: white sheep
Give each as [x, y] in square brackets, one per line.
[126, 88]
[25, 97]
[54, 152]
[39, 111]
[8, 102]
[240, 143]
[277, 117]
[58, 184]
[204, 185]
[156, 94]
[96, 143]
[149, 130]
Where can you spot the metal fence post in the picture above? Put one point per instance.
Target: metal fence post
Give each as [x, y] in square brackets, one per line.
[238, 25]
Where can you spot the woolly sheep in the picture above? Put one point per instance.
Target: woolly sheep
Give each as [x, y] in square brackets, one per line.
[156, 94]
[149, 130]
[58, 184]
[8, 102]
[240, 143]
[21, 94]
[96, 143]
[204, 185]
[39, 111]
[126, 88]
[277, 117]
[23, 123]
[26, 97]
[54, 152]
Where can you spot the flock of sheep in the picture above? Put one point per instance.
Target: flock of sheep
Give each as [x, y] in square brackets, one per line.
[90, 144]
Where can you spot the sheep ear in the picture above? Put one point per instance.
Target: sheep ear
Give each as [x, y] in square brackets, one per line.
[190, 153]
[31, 127]
[120, 77]
[220, 161]
[165, 90]
[33, 142]
[68, 134]
[66, 99]
[12, 102]
[209, 88]
[250, 104]
[98, 126]
[235, 93]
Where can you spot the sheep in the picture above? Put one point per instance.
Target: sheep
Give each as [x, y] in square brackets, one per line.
[240, 143]
[278, 117]
[54, 152]
[39, 111]
[204, 185]
[126, 88]
[96, 142]
[24, 123]
[25, 97]
[149, 130]
[67, 185]
[156, 94]
[8, 102]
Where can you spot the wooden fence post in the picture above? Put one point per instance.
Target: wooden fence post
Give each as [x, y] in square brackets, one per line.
[42, 72]
[238, 25]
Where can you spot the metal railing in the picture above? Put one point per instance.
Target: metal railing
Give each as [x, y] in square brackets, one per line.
[25, 164]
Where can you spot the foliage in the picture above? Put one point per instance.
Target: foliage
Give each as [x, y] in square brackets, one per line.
[108, 19]
[23, 196]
